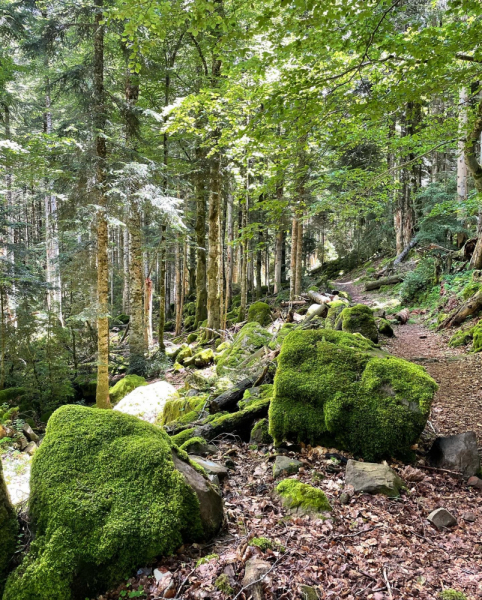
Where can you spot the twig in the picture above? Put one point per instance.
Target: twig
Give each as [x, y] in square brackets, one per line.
[453, 473]
[182, 585]
[260, 579]
[349, 535]
[385, 577]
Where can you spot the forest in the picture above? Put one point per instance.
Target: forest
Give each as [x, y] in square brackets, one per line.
[240, 299]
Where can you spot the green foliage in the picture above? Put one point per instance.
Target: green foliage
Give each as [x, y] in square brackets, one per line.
[418, 281]
[205, 559]
[462, 338]
[125, 386]
[7, 413]
[337, 389]
[259, 312]
[94, 478]
[302, 498]
[451, 594]
[223, 585]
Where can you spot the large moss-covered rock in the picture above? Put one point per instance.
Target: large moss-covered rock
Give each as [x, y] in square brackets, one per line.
[360, 319]
[106, 497]
[259, 312]
[250, 338]
[8, 530]
[338, 389]
[125, 386]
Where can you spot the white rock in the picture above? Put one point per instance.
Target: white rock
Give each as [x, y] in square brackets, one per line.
[16, 472]
[147, 401]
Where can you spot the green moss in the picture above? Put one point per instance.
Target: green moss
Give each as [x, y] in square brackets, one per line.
[337, 389]
[189, 309]
[8, 529]
[259, 312]
[232, 317]
[477, 336]
[175, 410]
[203, 358]
[169, 326]
[125, 386]
[302, 498]
[462, 338]
[105, 499]
[184, 352]
[122, 318]
[451, 594]
[250, 338]
[192, 337]
[262, 543]
[205, 559]
[334, 311]
[470, 290]
[384, 327]
[222, 584]
[282, 333]
[191, 443]
[360, 319]
[183, 436]
[257, 393]
[260, 433]
[190, 322]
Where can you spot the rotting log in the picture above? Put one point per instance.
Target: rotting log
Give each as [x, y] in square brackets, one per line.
[403, 316]
[377, 283]
[239, 422]
[470, 307]
[411, 244]
[227, 400]
[320, 298]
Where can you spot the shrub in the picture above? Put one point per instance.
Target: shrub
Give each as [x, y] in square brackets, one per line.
[418, 281]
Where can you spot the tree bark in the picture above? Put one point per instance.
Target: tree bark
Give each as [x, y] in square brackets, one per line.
[227, 400]
[102, 393]
[299, 259]
[200, 228]
[162, 289]
[229, 252]
[125, 271]
[294, 260]
[475, 169]
[462, 165]
[375, 285]
[137, 342]
[213, 303]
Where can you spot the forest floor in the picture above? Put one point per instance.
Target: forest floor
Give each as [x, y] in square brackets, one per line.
[373, 547]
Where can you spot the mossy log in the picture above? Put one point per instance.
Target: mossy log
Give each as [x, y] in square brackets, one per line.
[377, 283]
[227, 400]
[402, 316]
[240, 422]
[470, 307]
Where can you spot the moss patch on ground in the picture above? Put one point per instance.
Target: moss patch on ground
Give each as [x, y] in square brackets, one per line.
[302, 498]
[125, 386]
[105, 499]
[337, 389]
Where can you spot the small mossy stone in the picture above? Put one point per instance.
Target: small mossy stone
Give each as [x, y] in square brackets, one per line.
[125, 386]
[94, 479]
[250, 338]
[259, 312]
[185, 352]
[8, 530]
[260, 433]
[384, 328]
[192, 337]
[196, 445]
[283, 465]
[340, 390]
[223, 585]
[301, 498]
[360, 319]
[204, 358]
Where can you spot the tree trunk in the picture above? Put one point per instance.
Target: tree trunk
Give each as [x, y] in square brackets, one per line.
[229, 252]
[213, 304]
[475, 169]
[125, 271]
[200, 228]
[137, 342]
[178, 288]
[162, 289]
[259, 263]
[299, 259]
[294, 260]
[102, 394]
[462, 170]
[375, 285]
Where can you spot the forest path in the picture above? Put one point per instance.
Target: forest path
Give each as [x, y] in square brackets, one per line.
[458, 402]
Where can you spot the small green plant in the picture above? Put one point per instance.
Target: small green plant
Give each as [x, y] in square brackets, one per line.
[205, 559]
[451, 594]
[418, 281]
[222, 583]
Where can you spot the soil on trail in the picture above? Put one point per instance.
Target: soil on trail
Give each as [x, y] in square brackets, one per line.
[457, 406]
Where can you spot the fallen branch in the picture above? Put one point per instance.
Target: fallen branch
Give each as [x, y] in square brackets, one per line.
[452, 473]
[411, 244]
[377, 283]
[470, 307]
[227, 400]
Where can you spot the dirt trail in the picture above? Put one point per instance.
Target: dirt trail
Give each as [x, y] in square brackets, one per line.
[458, 402]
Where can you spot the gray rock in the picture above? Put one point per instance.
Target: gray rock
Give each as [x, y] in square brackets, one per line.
[254, 571]
[31, 448]
[308, 592]
[29, 433]
[283, 465]
[211, 467]
[372, 478]
[22, 442]
[456, 453]
[210, 501]
[214, 479]
[442, 518]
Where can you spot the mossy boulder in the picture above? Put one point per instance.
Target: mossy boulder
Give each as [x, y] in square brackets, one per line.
[384, 327]
[184, 352]
[182, 410]
[260, 433]
[250, 338]
[192, 337]
[360, 319]
[334, 311]
[203, 358]
[125, 386]
[337, 389]
[8, 530]
[301, 498]
[282, 333]
[109, 493]
[259, 312]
